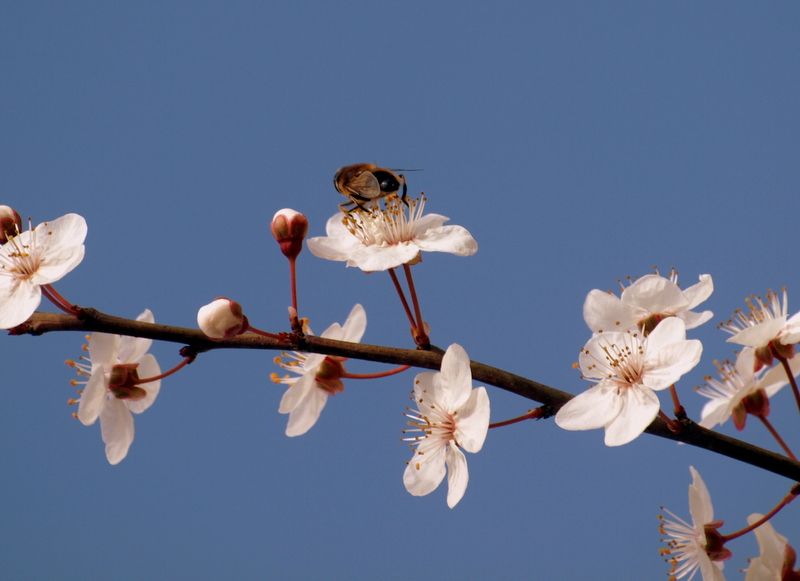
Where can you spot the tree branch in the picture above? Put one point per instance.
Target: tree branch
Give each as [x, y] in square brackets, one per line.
[91, 320]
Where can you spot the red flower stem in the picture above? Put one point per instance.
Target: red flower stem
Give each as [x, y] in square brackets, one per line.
[413, 292]
[394, 371]
[788, 369]
[793, 493]
[679, 411]
[293, 277]
[531, 415]
[263, 333]
[183, 363]
[777, 436]
[673, 426]
[59, 301]
[402, 295]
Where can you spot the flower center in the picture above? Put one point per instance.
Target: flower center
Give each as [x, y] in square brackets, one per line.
[23, 260]
[393, 224]
[758, 311]
[437, 424]
[622, 363]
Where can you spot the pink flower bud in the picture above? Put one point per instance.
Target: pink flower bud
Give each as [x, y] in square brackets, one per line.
[222, 319]
[10, 223]
[289, 228]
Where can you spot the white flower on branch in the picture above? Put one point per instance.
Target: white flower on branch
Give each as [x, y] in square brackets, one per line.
[647, 301]
[629, 370]
[318, 376]
[113, 392]
[36, 257]
[769, 565]
[765, 326]
[380, 239]
[697, 545]
[451, 415]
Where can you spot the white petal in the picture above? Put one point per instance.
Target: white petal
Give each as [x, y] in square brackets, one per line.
[761, 334]
[699, 292]
[18, 301]
[131, 349]
[641, 407]
[456, 379]
[297, 392]
[694, 320]
[595, 408]
[667, 365]
[425, 471]
[670, 330]
[457, 475]
[305, 415]
[655, 294]
[770, 543]
[377, 258]
[148, 367]
[453, 239]
[103, 349]
[339, 248]
[116, 427]
[605, 312]
[93, 396]
[699, 501]
[355, 325]
[472, 421]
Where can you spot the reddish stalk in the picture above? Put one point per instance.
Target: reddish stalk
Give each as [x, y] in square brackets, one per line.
[531, 415]
[180, 365]
[402, 296]
[378, 375]
[788, 369]
[54, 297]
[777, 436]
[673, 426]
[422, 336]
[679, 411]
[293, 277]
[793, 493]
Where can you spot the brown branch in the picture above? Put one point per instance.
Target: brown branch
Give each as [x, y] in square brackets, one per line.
[691, 433]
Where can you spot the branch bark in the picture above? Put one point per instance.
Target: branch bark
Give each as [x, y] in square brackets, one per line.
[91, 320]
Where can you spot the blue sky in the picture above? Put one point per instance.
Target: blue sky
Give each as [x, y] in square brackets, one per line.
[579, 142]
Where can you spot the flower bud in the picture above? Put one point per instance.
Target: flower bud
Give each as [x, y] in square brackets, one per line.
[222, 319]
[10, 223]
[289, 228]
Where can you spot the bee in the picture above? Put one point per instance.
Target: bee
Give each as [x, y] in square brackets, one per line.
[366, 182]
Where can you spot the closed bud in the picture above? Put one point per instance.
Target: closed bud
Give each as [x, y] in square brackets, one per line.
[289, 228]
[222, 319]
[10, 223]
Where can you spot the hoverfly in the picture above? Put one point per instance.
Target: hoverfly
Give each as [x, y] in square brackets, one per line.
[366, 182]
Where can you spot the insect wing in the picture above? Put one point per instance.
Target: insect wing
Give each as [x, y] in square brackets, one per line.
[365, 185]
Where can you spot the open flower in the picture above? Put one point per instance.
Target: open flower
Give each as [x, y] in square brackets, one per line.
[766, 326]
[36, 257]
[697, 545]
[379, 239]
[450, 414]
[113, 390]
[629, 369]
[769, 566]
[647, 301]
[739, 390]
[318, 376]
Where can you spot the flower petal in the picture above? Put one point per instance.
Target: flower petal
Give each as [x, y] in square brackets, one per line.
[453, 239]
[297, 392]
[103, 349]
[641, 407]
[655, 294]
[148, 367]
[606, 312]
[699, 292]
[595, 408]
[699, 501]
[355, 325]
[18, 300]
[93, 396]
[116, 427]
[305, 415]
[131, 349]
[457, 475]
[426, 469]
[472, 421]
[671, 362]
[456, 378]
